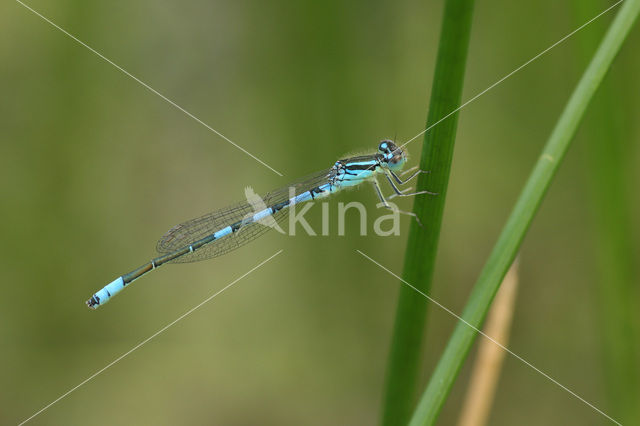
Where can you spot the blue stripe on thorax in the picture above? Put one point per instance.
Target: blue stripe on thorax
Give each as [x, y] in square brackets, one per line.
[370, 163]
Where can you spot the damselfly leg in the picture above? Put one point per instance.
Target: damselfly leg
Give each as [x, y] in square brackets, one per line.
[403, 191]
[402, 182]
[386, 204]
[399, 193]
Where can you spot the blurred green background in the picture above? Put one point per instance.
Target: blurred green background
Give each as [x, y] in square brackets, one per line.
[95, 168]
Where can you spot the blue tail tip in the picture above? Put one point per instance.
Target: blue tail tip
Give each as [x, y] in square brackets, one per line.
[94, 302]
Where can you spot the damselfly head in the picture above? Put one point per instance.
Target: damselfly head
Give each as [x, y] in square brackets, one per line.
[394, 156]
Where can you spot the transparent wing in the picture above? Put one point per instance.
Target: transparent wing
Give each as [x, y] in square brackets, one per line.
[188, 232]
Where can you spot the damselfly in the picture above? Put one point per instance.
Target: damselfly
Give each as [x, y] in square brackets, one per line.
[227, 229]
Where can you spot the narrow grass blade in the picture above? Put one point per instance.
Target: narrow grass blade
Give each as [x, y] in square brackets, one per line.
[609, 176]
[404, 359]
[487, 366]
[518, 222]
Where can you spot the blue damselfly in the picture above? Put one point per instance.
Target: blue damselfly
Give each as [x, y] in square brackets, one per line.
[227, 229]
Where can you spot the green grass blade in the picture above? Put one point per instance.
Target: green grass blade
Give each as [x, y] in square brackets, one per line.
[518, 222]
[405, 355]
[610, 185]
